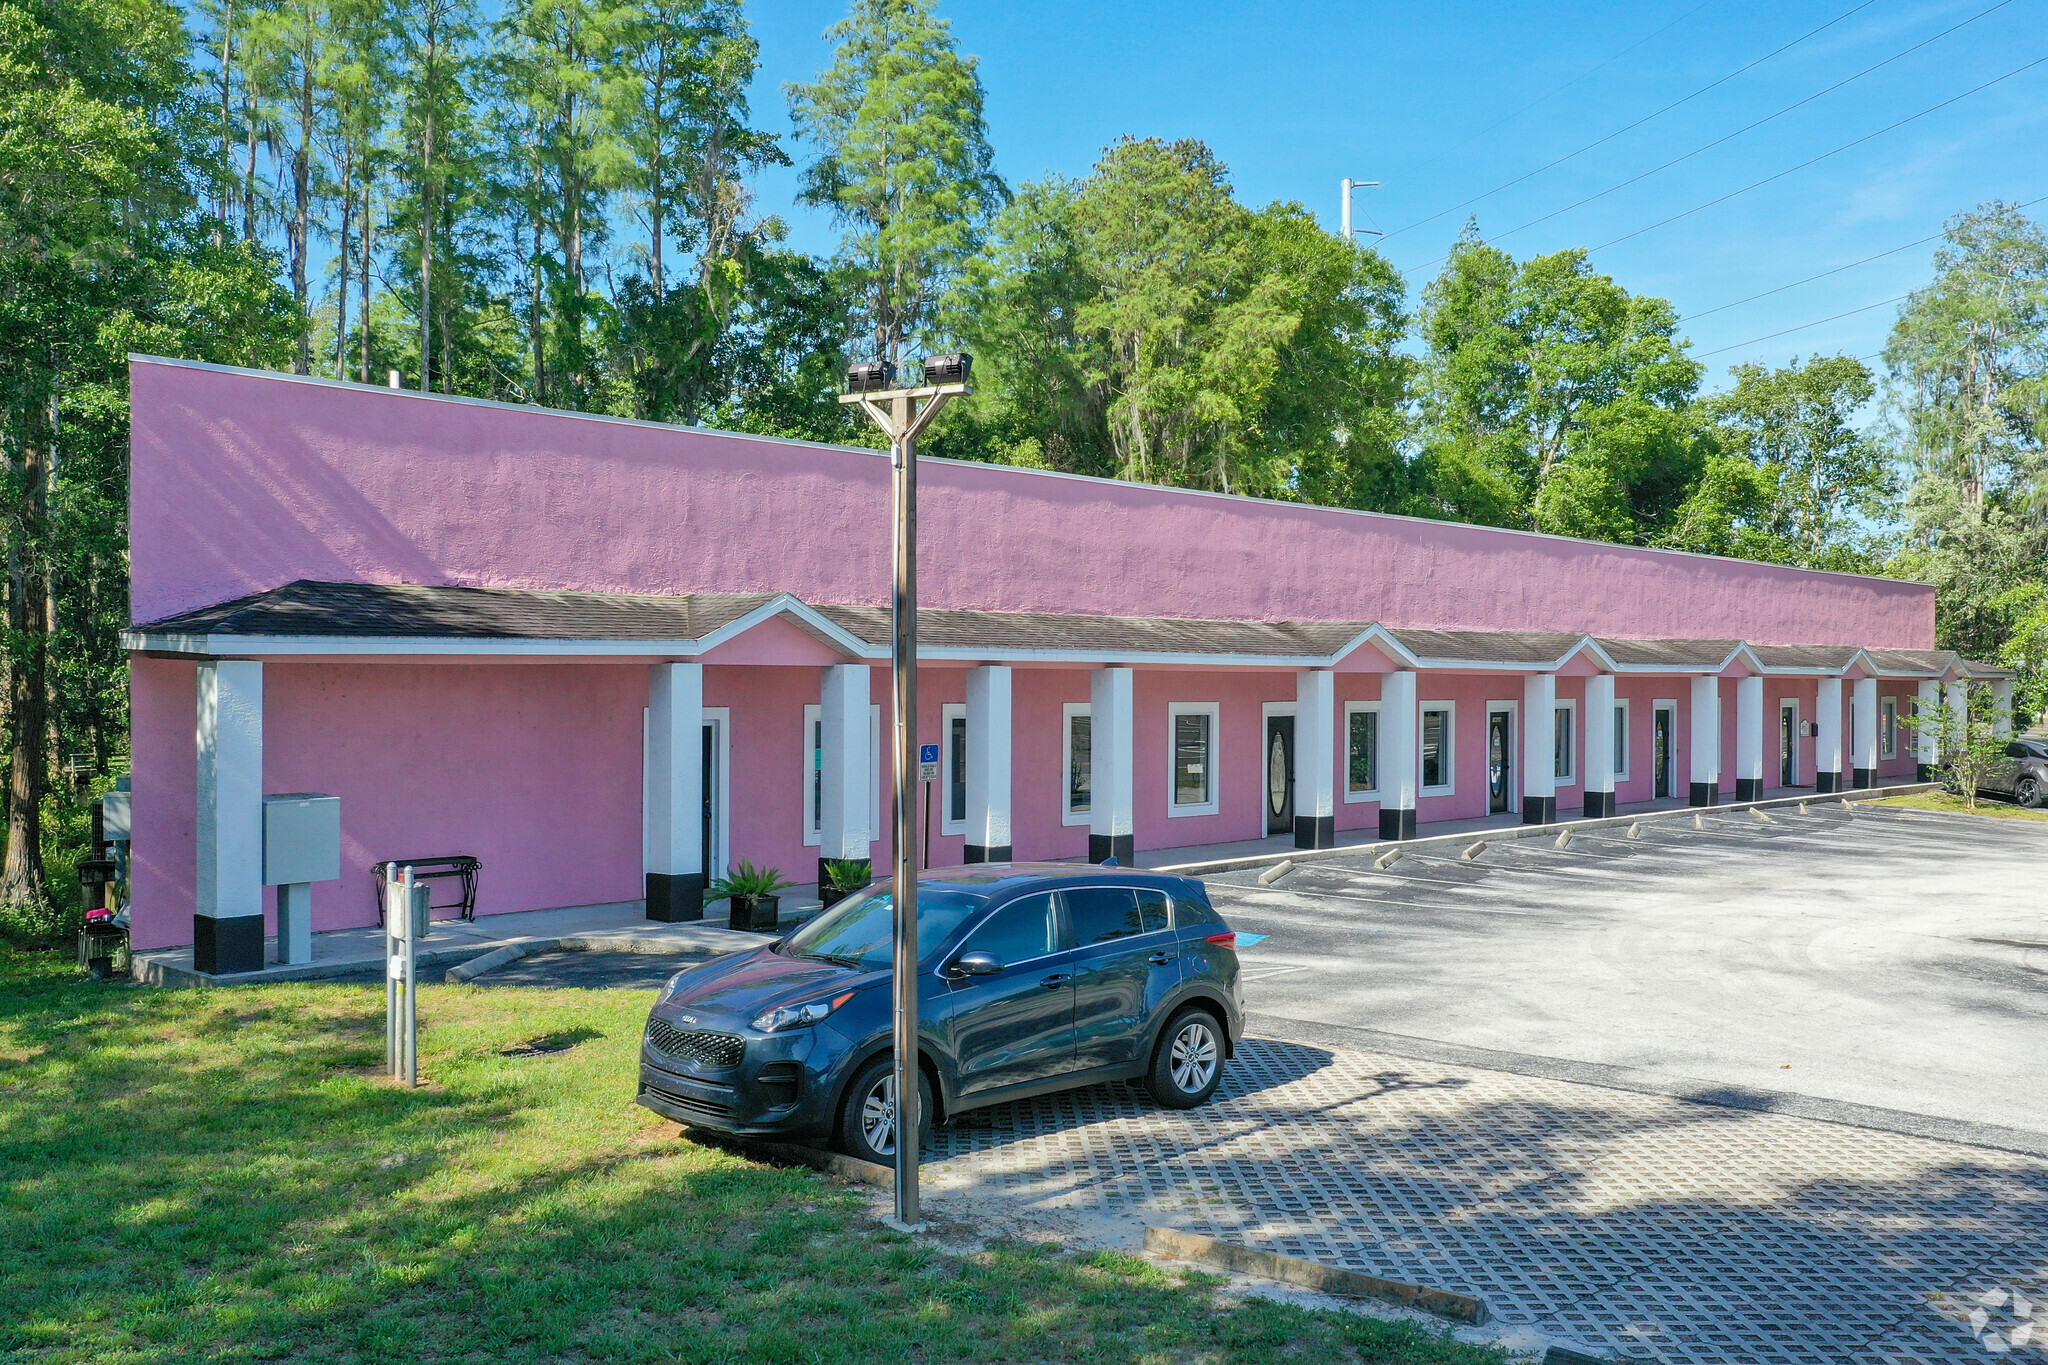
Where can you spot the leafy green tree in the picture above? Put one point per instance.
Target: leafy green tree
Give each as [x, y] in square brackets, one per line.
[1822, 486]
[1553, 398]
[903, 162]
[437, 65]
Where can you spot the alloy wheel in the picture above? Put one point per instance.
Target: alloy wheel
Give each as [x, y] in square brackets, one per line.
[1193, 1059]
[878, 1116]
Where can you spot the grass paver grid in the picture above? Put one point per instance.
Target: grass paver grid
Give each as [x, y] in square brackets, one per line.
[1684, 1232]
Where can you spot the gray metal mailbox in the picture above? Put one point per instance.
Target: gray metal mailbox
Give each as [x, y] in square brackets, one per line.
[301, 845]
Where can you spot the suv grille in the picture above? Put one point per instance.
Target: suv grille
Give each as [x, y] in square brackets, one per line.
[718, 1051]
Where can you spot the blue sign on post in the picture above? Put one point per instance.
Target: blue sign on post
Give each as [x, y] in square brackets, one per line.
[927, 762]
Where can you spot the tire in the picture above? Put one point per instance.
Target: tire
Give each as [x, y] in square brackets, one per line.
[858, 1121]
[1187, 1063]
[2028, 792]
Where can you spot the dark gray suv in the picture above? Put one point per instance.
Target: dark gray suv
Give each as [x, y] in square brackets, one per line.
[2022, 773]
[1032, 977]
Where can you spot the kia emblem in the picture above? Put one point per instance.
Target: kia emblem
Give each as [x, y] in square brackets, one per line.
[687, 1018]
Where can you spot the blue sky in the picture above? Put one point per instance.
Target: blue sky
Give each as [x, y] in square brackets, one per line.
[1443, 102]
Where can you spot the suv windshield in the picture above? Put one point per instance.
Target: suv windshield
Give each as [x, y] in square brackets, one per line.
[858, 931]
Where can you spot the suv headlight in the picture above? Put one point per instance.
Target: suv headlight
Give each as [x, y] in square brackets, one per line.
[799, 1016]
[668, 988]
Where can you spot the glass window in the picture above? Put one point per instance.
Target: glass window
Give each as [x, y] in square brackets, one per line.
[1362, 770]
[1188, 912]
[1561, 744]
[956, 785]
[1023, 929]
[1436, 748]
[1080, 764]
[817, 776]
[860, 930]
[1891, 727]
[1152, 912]
[1620, 740]
[1102, 914]
[1191, 759]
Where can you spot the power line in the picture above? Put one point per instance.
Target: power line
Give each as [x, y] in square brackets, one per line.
[1707, 147]
[1510, 118]
[1813, 161]
[1866, 4]
[1722, 350]
[1923, 241]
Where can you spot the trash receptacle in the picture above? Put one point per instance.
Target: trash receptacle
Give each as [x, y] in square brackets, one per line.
[102, 942]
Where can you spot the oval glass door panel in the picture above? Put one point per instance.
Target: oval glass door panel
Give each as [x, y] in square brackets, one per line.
[1276, 775]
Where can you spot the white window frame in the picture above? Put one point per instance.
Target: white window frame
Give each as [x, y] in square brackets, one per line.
[1450, 710]
[1627, 740]
[1888, 729]
[949, 713]
[814, 715]
[1068, 712]
[1214, 711]
[1569, 777]
[1372, 793]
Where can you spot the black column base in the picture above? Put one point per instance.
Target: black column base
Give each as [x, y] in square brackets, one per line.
[1824, 783]
[1705, 794]
[1397, 824]
[1600, 805]
[1749, 789]
[1923, 772]
[1865, 777]
[977, 853]
[1315, 831]
[674, 897]
[220, 946]
[1103, 847]
[1539, 810]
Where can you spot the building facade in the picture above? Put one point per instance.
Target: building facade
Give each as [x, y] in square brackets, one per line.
[610, 659]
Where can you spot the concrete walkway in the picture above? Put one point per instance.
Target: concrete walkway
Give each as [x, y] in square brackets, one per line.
[620, 926]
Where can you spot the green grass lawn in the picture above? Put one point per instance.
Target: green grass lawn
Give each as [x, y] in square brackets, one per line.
[225, 1176]
[1943, 801]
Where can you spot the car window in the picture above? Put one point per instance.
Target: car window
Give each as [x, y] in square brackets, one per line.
[1023, 929]
[860, 931]
[1152, 912]
[1102, 914]
[2036, 750]
[1189, 912]
[2017, 750]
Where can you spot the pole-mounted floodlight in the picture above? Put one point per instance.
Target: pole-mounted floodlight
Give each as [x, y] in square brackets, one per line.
[904, 413]
[1350, 185]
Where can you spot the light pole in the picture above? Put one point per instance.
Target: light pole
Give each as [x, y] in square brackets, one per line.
[1350, 185]
[903, 413]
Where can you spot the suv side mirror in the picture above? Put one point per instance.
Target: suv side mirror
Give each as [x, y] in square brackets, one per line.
[975, 964]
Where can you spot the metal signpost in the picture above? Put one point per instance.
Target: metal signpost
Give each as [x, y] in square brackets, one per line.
[927, 773]
[903, 413]
[405, 923]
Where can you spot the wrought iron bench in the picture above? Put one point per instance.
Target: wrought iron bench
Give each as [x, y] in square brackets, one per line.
[459, 867]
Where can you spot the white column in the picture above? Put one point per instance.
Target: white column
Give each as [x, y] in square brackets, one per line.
[1956, 724]
[988, 764]
[1706, 741]
[1863, 740]
[2001, 708]
[1315, 758]
[1539, 748]
[1400, 754]
[1827, 737]
[1749, 739]
[675, 792]
[1599, 760]
[1927, 719]
[1111, 733]
[847, 791]
[227, 931]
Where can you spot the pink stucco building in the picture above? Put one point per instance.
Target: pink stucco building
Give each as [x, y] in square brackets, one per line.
[609, 657]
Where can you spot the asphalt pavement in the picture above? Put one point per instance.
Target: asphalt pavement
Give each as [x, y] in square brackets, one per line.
[1882, 967]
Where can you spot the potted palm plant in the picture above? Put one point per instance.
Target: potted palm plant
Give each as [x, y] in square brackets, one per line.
[753, 894]
[839, 878]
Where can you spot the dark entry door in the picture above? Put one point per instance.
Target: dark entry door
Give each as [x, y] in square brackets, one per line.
[1279, 774]
[710, 767]
[1788, 747]
[1663, 755]
[1499, 761]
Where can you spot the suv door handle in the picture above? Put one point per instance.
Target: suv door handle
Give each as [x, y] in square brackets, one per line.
[1160, 959]
[1057, 979]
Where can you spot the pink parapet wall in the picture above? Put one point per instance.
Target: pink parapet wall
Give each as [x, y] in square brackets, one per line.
[243, 481]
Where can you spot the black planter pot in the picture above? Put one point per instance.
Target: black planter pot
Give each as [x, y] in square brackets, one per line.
[754, 914]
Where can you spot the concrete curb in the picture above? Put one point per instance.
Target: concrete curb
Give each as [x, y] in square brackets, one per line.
[497, 958]
[663, 944]
[795, 1154]
[1390, 850]
[1326, 1279]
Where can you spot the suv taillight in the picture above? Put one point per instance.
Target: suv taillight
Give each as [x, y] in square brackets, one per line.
[1226, 940]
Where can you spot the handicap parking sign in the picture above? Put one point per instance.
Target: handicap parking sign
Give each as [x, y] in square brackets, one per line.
[928, 762]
